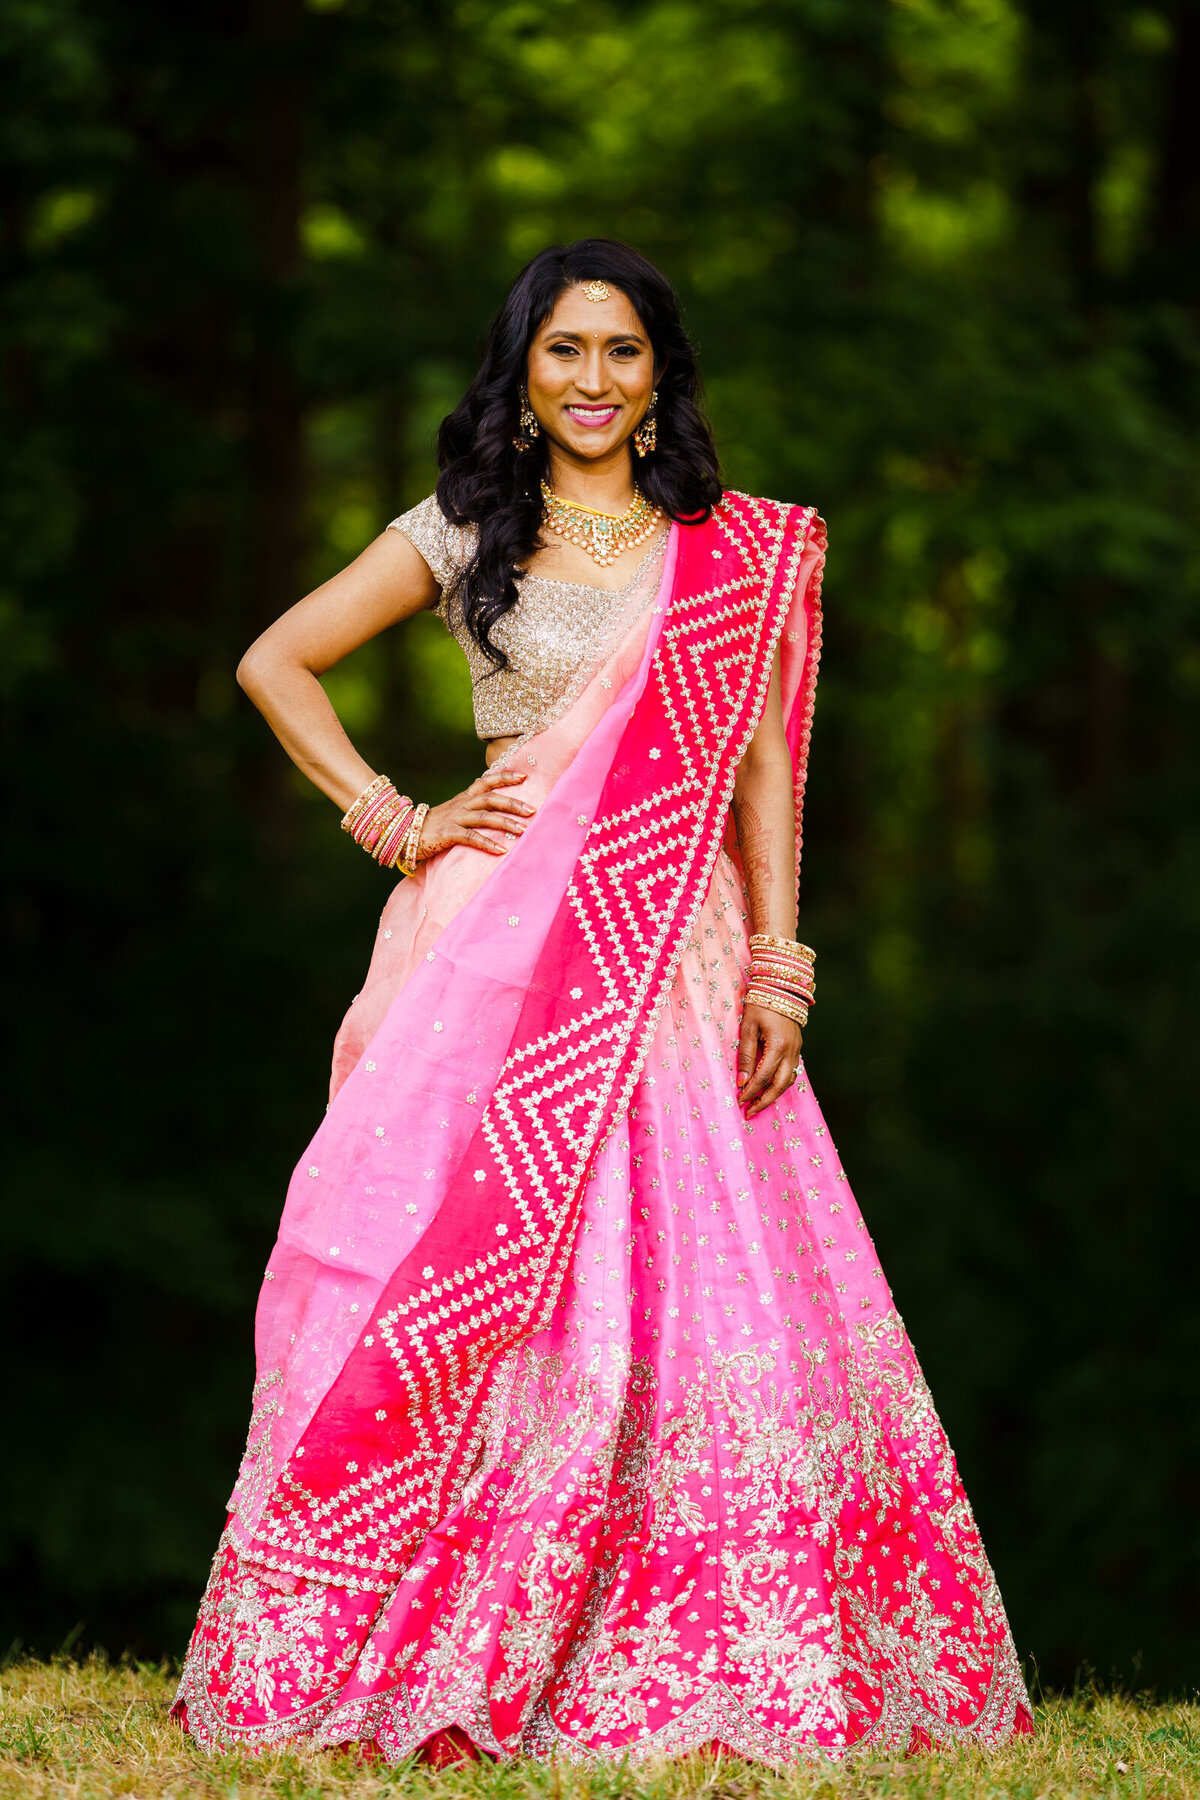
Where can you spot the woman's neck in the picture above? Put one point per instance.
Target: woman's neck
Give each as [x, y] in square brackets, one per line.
[605, 485]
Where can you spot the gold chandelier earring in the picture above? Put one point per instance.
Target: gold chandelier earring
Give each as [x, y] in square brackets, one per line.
[645, 438]
[528, 428]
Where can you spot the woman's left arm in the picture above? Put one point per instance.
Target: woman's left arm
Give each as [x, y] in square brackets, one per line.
[764, 810]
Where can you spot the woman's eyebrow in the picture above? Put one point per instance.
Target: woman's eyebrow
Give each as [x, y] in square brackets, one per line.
[616, 337]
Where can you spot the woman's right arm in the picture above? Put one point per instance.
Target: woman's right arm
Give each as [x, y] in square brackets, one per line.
[388, 582]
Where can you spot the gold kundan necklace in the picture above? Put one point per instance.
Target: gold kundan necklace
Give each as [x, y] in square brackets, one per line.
[603, 536]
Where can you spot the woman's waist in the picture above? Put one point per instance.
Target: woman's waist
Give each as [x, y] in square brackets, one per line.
[496, 746]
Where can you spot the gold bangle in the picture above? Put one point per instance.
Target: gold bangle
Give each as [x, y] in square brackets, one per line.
[402, 862]
[768, 941]
[357, 807]
[795, 996]
[405, 813]
[798, 1013]
[418, 826]
[775, 965]
[406, 862]
[778, 978]
[783, 965]
[763, 940]
[389, 812]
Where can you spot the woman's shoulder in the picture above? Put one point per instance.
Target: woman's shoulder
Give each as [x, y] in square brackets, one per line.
[447, 548]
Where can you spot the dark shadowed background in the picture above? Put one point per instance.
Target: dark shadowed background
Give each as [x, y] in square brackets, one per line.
[941, 260]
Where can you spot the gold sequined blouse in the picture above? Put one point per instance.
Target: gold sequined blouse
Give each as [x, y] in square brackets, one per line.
[555, 637]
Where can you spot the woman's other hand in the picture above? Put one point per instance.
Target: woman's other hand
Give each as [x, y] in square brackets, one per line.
[768, 1054]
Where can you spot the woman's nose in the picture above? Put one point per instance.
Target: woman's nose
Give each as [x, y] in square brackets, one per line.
[592, 377]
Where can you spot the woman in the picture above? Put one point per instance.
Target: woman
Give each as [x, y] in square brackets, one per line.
[584, 1424]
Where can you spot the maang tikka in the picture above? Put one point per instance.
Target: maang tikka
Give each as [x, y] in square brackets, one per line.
[645, 438]
[528, 427]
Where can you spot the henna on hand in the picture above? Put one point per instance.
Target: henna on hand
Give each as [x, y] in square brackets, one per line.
[754, 842]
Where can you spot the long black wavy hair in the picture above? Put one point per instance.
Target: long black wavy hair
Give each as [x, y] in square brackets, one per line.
[485, 481]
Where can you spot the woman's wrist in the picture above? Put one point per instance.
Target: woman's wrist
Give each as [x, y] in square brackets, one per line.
[784, 928]
[387, 825]
[782, 975]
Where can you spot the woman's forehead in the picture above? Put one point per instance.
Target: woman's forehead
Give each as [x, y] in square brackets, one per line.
[575, 314]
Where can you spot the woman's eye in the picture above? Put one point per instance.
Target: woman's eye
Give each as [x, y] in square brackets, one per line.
[562, 349]
[625, 350]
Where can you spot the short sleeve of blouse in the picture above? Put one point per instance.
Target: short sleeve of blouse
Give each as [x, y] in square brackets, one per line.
[446, 548]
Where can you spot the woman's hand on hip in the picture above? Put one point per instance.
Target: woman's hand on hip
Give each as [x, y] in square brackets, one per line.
[487, 805]
[768, 1057]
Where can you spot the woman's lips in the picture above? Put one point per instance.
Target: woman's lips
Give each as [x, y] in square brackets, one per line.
[593, 416]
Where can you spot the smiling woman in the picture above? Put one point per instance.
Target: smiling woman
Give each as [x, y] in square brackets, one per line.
[591, 374]
[584, 1424]
[576, 370]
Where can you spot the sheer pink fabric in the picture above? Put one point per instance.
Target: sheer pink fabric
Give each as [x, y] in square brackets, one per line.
[585, 1423]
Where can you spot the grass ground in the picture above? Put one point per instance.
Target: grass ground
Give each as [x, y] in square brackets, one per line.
[87, 1731]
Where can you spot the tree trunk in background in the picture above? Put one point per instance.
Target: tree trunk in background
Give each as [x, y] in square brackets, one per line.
[275, 447]
[1084, 24]
[276, 413]
[1176, 222]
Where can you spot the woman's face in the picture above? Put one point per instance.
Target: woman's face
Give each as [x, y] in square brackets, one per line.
[590, 374]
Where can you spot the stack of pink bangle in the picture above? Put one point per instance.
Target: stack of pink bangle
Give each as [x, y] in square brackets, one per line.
[381, 821]
[782, 976]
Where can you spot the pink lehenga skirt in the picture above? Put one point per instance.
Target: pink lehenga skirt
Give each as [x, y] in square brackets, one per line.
[618, 1465]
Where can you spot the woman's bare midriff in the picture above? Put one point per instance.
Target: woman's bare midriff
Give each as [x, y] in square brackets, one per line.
[497, 747]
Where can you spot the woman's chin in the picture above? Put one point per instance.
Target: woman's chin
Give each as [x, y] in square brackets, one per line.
[591, 446]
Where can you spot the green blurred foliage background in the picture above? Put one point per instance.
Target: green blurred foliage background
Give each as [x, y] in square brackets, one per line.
[941, 258]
